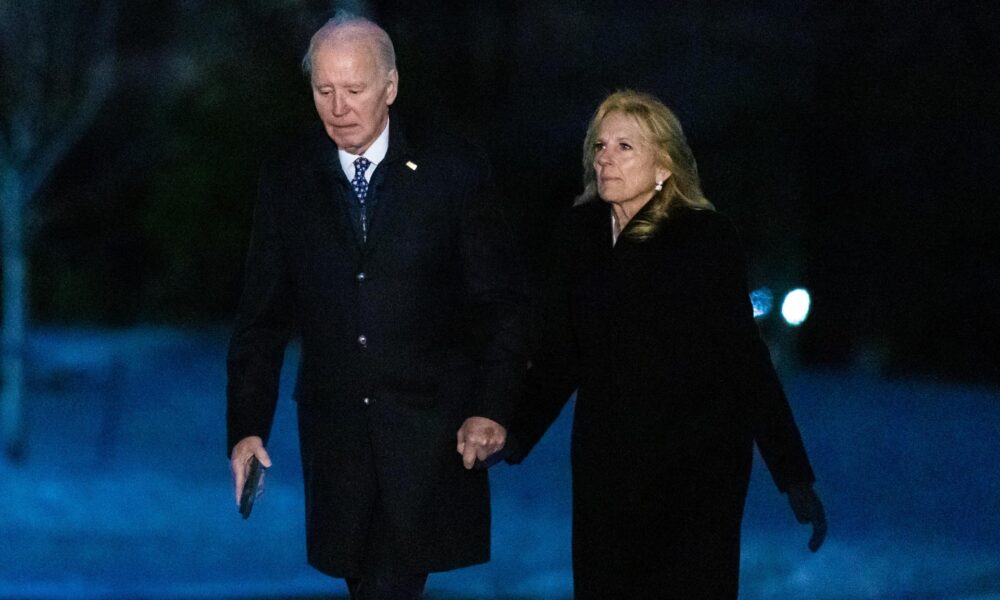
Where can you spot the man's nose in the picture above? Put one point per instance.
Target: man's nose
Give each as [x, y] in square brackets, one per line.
[339, 105]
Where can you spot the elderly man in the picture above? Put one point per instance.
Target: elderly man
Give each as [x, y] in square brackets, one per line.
[393, 263]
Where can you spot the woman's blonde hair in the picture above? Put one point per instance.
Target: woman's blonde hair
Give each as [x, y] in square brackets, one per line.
[663, 132]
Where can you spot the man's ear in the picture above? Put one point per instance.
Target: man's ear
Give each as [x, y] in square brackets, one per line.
[391, 87]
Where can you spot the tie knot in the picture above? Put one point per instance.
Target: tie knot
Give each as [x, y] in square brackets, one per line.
[360, 166]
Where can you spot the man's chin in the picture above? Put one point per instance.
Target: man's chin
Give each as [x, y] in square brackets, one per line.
[344, 140]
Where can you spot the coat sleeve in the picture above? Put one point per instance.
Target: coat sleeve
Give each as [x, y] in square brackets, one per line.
[263, 326]
[553, 374]
[746, 361]
[495, 288]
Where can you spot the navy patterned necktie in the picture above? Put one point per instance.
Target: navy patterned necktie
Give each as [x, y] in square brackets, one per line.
[360, 185]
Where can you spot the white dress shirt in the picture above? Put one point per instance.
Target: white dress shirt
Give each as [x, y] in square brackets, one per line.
[375, 153]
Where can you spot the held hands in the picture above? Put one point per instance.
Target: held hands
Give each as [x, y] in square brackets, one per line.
[808, 509]
[242, 451]
[478, 439]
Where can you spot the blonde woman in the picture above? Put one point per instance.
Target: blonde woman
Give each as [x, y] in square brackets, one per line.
[647, 316]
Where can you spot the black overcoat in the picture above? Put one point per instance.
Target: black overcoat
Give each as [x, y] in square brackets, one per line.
[674, 385]
[403, 338]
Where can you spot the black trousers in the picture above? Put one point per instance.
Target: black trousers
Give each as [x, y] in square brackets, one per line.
[387, 587]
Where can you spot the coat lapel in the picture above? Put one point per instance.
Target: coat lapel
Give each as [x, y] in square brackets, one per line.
[329, 189]
[598, 230]
[391, 183]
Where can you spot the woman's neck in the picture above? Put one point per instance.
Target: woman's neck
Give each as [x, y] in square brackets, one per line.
[624, 211]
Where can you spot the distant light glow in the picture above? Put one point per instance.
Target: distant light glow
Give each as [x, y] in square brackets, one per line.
[795, 308]
[763, 301]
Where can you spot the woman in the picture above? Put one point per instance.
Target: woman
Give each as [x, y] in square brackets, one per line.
[648, 317]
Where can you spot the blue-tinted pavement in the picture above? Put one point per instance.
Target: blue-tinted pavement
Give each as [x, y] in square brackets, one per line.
[125, 490]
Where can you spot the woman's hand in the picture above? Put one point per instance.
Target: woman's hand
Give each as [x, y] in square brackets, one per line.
[808, 509]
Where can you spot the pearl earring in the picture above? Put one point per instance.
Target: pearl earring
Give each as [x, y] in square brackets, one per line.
[659, 186]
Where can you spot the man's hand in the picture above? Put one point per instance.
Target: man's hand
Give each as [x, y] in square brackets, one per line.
[808, 509]
[478, 438]
[240, 457]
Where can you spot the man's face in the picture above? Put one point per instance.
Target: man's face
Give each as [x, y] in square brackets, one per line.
[352, 92]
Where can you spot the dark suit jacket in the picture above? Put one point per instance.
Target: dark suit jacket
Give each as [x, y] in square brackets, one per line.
[403, 338]
[674, 386]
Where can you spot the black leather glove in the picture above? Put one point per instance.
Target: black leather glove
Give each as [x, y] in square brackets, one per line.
[492, 459]
[808, 509]
[513, 455]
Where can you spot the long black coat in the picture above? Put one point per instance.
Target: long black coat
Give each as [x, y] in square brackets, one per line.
[674, 385]
[403, 338]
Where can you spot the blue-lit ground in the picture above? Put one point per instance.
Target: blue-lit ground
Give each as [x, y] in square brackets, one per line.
[125, 491]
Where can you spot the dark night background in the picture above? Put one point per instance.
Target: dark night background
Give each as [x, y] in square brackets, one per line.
[853, 144]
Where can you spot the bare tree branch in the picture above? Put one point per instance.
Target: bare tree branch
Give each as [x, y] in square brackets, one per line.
[59, 64]
[5, 163]
[49, 155]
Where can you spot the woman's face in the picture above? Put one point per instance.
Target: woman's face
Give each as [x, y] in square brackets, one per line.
[624, 162]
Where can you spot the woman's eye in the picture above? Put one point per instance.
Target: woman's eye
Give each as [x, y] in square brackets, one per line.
[625, 146]
[599, 146]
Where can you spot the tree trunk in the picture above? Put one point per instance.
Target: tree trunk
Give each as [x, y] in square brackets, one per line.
[15, 295]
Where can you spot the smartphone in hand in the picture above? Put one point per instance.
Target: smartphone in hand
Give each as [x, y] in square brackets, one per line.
[253, 487]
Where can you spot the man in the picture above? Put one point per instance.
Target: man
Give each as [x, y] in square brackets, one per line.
[395, 266]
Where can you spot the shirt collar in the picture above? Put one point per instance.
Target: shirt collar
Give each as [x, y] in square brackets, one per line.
[375, 153]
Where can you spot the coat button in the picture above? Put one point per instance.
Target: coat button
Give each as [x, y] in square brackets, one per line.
[361, 276]
[363, 341]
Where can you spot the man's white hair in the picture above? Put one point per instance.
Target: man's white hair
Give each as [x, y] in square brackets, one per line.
[346, 25]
